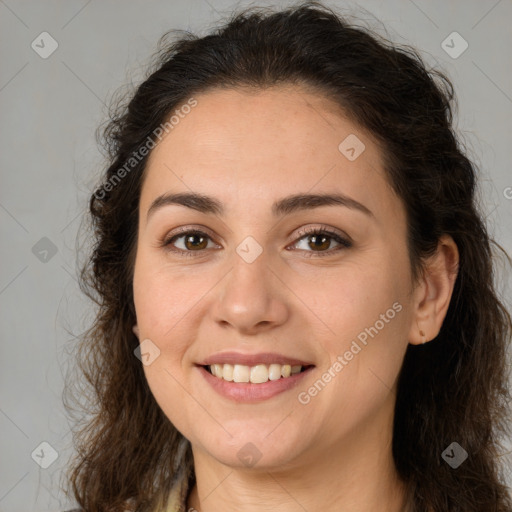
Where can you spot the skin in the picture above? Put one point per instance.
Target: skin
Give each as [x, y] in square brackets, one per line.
[249, 149]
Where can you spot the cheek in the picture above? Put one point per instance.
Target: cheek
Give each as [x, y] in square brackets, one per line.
[365, 311]
[352, 298]
[164, 311]
[162, 295]
[161, 305]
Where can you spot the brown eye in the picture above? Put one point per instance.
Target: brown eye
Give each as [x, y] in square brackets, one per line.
[320, 239]
[193, 241]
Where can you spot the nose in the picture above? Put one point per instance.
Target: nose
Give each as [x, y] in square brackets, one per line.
[251, 297]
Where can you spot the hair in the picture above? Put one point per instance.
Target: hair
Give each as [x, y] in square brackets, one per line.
[453, 388]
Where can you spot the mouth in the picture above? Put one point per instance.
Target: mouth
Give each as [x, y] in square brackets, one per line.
[257, 374]
[250, 378]
[253, 384]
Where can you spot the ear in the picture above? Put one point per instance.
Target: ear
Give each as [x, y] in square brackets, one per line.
[434, 291]
[135, 330]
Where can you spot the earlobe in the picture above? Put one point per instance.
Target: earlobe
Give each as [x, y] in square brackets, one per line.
[135, 329]
[433, 294]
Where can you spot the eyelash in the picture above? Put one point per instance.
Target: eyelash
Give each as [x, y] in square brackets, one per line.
[345, 244]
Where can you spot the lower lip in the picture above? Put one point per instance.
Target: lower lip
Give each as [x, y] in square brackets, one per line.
[248, 392]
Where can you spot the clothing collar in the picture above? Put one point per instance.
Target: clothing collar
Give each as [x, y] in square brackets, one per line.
[180, 490]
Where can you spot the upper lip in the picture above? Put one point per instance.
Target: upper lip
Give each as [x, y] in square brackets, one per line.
[252, 359]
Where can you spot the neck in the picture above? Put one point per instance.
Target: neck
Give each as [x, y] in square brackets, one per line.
[357, 474]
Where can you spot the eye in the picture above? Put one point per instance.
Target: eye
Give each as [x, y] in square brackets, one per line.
[195, 241]
[321, 238]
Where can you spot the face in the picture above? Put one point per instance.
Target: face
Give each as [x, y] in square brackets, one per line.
[264, 281]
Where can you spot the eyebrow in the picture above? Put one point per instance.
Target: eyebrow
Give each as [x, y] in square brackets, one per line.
[285, 206]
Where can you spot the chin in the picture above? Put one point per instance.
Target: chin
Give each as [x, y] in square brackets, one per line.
[254, 450]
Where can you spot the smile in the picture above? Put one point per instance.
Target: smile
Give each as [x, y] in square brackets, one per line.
[244, 390]
[257, 374]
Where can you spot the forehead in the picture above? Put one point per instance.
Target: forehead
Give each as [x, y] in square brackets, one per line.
[246, 146]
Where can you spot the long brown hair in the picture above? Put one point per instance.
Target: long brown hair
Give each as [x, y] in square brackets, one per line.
[452, 389]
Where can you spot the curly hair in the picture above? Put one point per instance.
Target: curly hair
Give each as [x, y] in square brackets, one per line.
[451, 389]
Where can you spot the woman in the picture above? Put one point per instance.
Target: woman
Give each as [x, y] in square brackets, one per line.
[296, 305]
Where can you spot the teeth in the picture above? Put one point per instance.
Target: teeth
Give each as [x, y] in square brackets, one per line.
[240, 373]
[274, 371]
[254, 374]
[227, 372]
[286, 370]
[259, 374]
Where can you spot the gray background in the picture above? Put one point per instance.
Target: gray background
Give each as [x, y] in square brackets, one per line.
[49, 161]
